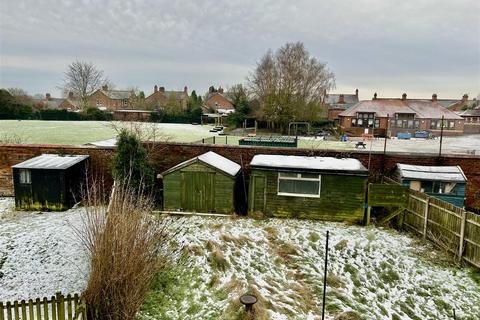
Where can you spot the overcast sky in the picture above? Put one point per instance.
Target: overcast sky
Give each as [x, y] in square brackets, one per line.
[391, 47]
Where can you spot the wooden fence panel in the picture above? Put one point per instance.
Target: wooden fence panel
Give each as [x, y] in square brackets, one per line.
[450, 227]
[57, 307]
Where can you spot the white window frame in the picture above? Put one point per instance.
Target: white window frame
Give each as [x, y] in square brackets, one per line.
[25, 176]
[299, 177]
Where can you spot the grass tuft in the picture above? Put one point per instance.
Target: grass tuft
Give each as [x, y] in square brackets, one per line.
[218, 261]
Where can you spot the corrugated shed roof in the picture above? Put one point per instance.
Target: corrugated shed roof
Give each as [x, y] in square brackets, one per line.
[212, 159]
[382, 107]
[432, 173]
[308, 163]
[51, 161]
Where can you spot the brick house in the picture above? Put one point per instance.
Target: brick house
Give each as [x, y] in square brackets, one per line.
[337, 103]
[472, 120]
[160, 98]
[50, 103]
[217, 102]
[391, 116]
[107, 99]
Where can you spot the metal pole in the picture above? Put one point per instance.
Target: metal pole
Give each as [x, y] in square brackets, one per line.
[386, 132]
[325, 278]
[441, 137]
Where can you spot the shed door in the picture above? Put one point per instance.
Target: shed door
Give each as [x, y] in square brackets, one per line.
[198, 191]
[258, 194]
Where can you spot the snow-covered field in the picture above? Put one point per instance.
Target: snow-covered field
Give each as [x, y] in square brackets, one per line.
[374, 273]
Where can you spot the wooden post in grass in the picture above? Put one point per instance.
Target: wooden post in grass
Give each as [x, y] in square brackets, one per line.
[325, 277]
[462, 235]
[425, 217]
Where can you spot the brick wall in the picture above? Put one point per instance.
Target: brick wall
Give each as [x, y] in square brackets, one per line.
[166, 155]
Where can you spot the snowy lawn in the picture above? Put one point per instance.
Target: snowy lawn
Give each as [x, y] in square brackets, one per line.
[373, 273]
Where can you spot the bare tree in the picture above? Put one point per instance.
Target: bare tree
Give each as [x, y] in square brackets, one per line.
[290, 84]
[82, 78]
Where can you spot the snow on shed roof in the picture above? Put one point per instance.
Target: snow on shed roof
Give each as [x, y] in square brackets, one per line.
[308, 163]
[51, 161]
[212, 159]
[432, 173]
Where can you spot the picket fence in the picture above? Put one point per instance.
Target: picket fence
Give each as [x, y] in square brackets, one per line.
[450, 227]
[58, 307]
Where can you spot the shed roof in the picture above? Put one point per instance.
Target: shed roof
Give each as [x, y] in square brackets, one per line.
[51, 161]
[211, 159]
[339, 165]
[432, 173]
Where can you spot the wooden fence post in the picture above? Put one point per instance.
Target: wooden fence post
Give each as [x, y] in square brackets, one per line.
[462, 235]
[425, 218]
[1, 311]
[60, 306]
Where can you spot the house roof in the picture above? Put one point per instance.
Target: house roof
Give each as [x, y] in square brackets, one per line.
[117, 94]
[432, 173]
[51, 161]
[211, 159]
[470, 113]
[328, 164]
[389, 107]
[178, 94]
[333, 98]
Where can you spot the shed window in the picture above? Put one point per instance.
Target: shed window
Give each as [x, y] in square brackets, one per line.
[299, 184]
[25, 176]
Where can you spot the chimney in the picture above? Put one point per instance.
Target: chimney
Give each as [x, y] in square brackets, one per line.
[341, 99]
[220, 90]
[404, 96]
[162, 89]
[105, 87]
[48, 96]
[70, 95]
[185, 89]
[155, 88]
[465, 98]
[374, 96]
[356, 92]
[434, 97]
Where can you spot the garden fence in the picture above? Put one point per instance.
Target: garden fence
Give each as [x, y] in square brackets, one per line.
[58, 307]
[450, 227]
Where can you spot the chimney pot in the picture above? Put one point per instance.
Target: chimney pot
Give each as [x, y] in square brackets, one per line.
[155, 88]
[48, 96]
[185, 89]
[404, 96]
[162, 89]
[356, 92]
[341, 98]
[465, 97]
[220, 90]
[434, 97]
[375, 96]
[70, 95]
[105, 87]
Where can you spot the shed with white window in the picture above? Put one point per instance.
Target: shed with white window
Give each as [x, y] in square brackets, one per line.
[307, 187]
[447, 183]
[49, 182]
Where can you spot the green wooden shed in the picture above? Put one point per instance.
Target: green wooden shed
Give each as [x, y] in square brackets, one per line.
[307, 187]
[208, 183]
[49, 182]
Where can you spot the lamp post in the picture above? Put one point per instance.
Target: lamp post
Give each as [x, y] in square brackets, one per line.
[441, 137]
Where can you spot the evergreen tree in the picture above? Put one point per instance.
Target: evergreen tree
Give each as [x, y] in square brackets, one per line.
[130, 164]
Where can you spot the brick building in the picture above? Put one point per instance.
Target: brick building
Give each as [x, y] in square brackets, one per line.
[160, 98]
[391, 116]
[70, 103]
[472, 120]
[217, 102]
[108, 99]
[338, 103]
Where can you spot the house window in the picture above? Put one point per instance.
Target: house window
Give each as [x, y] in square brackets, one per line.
[25, 176]
[98, 102]
[436, 124]
[125, 102]
[365, 120]
[437, 187]
[299, 184]
[451, 125]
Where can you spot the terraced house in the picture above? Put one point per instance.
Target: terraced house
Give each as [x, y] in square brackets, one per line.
[108, 99]
[390, 116]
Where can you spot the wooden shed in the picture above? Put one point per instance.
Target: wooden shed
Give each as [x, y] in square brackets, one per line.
[307, 187]
[49, 182]
[447, 183]
[208, 183]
